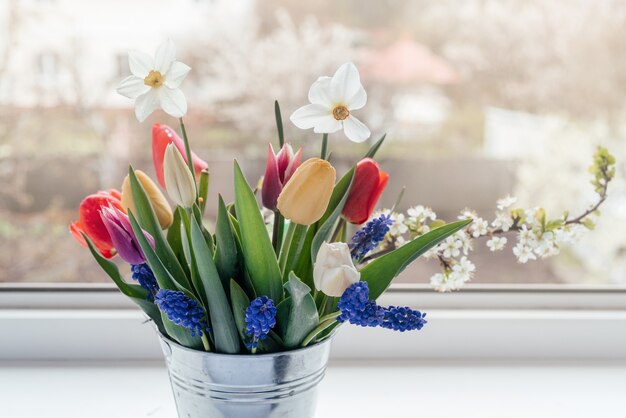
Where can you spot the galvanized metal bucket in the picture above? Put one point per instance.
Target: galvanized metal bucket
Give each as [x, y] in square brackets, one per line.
[209, 385]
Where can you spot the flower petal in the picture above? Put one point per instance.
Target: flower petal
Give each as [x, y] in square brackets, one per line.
[355, 130]
[140, 63]
[132, 87]
[309, 116]
[346, 83]
[177, 73]
[328, 125]
[146, 104]
[358, 100]
[319, 93]
[173, 102]
[164, 57]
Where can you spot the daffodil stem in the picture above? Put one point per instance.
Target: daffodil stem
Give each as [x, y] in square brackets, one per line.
[187, 149]
[277, 235]
[324, 154]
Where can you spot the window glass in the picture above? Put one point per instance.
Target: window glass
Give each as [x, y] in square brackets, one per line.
[480, 99]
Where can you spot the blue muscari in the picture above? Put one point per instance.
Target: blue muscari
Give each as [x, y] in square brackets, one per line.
[357, 309]
[182, 310]
[143, 274]
[368, 237]
[260, 318]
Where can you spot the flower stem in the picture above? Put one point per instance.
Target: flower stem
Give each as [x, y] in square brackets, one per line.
[324, 154]
[187, 149]
[322, 307]
[318, 330]
[330, 316]
[205, 343]
[277, 235]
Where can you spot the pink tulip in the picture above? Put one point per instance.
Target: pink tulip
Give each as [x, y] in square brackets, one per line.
[278, 170]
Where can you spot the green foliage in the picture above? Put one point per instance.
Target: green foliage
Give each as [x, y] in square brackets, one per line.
[379, 273]
[258, 253]
[226, 248]
[296, 315]
[603, 169]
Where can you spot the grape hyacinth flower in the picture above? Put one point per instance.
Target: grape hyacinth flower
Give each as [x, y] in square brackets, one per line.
[357, 309]
[260, 318]
[367, 238]
[144, 275]
[182, 310]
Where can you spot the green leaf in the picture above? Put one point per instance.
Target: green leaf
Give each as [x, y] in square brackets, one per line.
[279, 123]
[148, 221]
[181, 334]
[379, 273]
[226, 250]
[222, 321]
[296, 315]
[337, 201]
[240, 303]
[135, 292]
[259, 256]
[294, 244]
[374, 148]
[176, 241]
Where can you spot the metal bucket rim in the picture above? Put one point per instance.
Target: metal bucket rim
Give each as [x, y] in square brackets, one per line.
[232, 356]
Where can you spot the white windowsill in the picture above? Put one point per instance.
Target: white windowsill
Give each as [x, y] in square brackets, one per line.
[365, 390]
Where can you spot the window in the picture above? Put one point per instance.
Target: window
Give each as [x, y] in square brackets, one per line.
[479, 99]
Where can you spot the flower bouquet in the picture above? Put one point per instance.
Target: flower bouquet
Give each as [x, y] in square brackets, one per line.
[245, 310]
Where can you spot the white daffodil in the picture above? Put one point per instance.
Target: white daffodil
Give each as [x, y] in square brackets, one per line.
[155, 82]
[332, 101]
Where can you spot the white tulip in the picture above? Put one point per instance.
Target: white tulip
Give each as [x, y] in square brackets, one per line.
[155, 82]
[332, 101]
[334, 271]
[179, 182]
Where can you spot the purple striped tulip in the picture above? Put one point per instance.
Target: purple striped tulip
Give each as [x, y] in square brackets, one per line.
[118, 225]
[278, 170]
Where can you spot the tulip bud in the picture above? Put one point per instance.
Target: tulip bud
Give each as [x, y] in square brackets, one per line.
[122, 236]
[334, 272]
[278, 170]
[368, 184]
[90, 223]
[179, 182]
[162, 136]
[305, 197]
[157, 199]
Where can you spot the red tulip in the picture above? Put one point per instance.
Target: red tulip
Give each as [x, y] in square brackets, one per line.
[369, 183]
[278, 170]
[162, 135]
[90, 223]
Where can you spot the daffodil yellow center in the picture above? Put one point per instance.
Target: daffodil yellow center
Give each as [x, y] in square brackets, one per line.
[154, 79]
[341, 112]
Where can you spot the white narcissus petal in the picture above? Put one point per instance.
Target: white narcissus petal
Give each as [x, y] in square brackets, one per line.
[310, 115]
[132, 87]
[173, 102]
[319, 93]
[146, 104]
[140, 63]
[358, 100]
[177, 73]
[345, 83]
[355, 130]
[164, 57]
[327, 125]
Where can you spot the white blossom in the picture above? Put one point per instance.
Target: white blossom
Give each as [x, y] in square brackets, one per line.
[506, 202]
[333, 99]
[503, 221]
[523, 253]
[420, 214]
[496, 243]
[451, 247]
[155, 82]
[479, 227]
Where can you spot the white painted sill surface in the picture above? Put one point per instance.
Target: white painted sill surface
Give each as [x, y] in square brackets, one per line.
[364, 390]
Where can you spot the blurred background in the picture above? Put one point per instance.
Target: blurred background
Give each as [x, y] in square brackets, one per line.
[479, 99]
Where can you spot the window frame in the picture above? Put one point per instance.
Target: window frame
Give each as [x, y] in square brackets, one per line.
[73, 322]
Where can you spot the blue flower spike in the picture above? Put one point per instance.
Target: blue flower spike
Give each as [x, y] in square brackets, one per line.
[367, 238]
[260, 319]
[182, 310]
[144, 275]
[357, 309]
